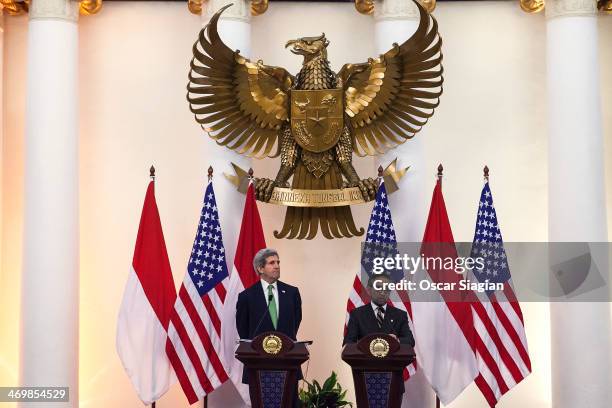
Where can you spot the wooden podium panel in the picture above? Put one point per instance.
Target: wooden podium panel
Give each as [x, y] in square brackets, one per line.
[272, 361]
[378, 362]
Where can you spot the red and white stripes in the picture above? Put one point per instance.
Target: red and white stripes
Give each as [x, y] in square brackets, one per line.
[194, 335]
[501, 345]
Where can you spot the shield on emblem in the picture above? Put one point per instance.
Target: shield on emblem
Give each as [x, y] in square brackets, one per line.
[317, 118]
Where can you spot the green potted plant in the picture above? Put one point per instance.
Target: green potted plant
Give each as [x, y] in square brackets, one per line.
[330, 395]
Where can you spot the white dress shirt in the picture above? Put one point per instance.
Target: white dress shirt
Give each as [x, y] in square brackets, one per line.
[265, 285]
[375, 307]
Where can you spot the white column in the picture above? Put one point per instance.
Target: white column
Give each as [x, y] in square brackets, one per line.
[234, 24]
[396, 21]
[50, 283]
[580, 332]
[235, 31]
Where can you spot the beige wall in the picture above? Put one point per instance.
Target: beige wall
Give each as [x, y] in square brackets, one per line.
[134, 60]
[14, 79]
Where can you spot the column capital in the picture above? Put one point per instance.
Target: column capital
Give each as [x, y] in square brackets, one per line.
[240, 11]
[13, 7]
[562, 8]
[17, 7]
[395, 10]
[54, 10]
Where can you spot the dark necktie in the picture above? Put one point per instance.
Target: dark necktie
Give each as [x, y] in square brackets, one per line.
[380, 316]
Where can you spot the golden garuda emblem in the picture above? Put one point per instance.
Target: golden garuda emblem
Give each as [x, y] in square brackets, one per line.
[316, 120]
[379, 347]
[272, 344]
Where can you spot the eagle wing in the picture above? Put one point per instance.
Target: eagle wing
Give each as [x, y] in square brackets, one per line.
[389, 99]
[240, 104]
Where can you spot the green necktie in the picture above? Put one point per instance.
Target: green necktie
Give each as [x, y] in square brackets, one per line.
[272, 306]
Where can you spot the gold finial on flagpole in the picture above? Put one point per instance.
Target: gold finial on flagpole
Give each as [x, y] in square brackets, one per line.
[381, 177]
[152, 173]
[486, 172]
[210, 173]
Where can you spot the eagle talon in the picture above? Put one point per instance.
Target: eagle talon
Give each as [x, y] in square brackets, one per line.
[263, 189]
[368, 187]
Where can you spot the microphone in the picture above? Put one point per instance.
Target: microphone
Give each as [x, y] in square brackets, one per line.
[263, 316]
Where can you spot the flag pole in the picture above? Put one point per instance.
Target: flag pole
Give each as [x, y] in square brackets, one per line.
[486, 173]
[210, 177]
[440, 171]
[152, 175]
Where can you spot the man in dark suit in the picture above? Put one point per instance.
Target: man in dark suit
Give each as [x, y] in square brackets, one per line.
[377, 316]
[268, 305]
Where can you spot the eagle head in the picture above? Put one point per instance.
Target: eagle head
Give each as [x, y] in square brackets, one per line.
[309, 47]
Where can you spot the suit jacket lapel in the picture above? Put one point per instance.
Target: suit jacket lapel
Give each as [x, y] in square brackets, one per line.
[282, 304]
[387, 324]
[372, 320]
[387, 320]
[262, 306]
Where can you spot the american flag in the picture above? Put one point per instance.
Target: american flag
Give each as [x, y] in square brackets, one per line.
[194, 334]
[380, 242]
[501, 344]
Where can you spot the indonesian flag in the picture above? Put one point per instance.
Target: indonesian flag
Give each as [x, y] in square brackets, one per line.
[443, 329]
[145, 311]
[243, 275]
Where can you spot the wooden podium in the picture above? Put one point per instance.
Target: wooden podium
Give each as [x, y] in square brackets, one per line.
[378, 362]
[272, 361]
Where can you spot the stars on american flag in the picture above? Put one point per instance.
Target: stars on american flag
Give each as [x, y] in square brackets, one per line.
[207, 265]
[488, 243]
[380, 240]
[381, 229]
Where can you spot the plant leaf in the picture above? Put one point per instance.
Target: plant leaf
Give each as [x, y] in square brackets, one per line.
[330, 382]
[317, 396]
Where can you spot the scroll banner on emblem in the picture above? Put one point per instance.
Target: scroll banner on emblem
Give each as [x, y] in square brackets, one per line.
[318, 198]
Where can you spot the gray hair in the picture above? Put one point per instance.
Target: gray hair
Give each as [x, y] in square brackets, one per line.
[259, 261]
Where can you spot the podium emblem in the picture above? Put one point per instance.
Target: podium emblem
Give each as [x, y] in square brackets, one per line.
[379, 347]
[272, 344]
